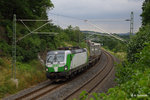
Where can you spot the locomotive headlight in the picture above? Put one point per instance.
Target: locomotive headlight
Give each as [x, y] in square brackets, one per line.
[46, 69]
[66, 67]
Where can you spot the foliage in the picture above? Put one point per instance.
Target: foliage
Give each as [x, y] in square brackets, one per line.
[5, 48]
[133, 77]
[27, 74]
[119, 55]
[124, 73]
[146, 12]
[24, 8]
[108, 42]
[1, 62]
[83, 95]
[29, 47]
[133, 80]
[113, 44]
[136, 44]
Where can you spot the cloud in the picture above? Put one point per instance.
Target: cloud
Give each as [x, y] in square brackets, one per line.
[98, 9]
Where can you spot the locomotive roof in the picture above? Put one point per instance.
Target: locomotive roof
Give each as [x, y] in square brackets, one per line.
[78, 50]
[69, 48]
[58, 51]
[93, 43]
[96, 43]
[63, 51]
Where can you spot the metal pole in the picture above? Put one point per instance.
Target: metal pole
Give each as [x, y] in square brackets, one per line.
[15, 44]
[132, 21]
[79, 38]
[14, 48]
[14, 41]
[131, 24]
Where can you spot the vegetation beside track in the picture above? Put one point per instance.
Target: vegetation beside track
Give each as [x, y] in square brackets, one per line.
[28, 74]
[29, 71]
[133, 80]
[120, 55]
[133, 75]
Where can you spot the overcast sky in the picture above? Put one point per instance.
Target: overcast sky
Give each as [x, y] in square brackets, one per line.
[108, 15]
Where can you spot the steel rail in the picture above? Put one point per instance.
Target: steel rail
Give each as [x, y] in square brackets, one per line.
[50, 88]
[83, 87]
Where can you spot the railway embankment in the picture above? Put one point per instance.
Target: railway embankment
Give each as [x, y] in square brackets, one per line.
[98, 78]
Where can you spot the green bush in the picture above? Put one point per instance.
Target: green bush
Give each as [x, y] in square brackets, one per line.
[133, 80]
[136, 44]
[124, 73]
[1, 62]
[5, 48]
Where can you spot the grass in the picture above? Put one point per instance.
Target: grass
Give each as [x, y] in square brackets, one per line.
[28, 74]
[120, 55]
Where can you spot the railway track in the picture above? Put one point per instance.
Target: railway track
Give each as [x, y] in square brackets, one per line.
[47, 90]
[91, 85]
[35, 92]
[39, 93]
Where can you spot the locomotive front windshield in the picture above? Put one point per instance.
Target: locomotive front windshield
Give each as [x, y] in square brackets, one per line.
[55, 58]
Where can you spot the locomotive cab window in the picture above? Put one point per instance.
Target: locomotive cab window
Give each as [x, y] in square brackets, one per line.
[59, 57]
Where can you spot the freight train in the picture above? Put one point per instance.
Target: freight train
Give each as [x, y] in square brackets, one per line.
[66, 62]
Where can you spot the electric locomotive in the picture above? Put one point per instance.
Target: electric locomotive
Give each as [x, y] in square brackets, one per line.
[61, 64]
[67, 62]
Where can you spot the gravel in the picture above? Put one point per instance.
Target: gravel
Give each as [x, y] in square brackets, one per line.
[72, 84]
[26, 91]
[58, 94]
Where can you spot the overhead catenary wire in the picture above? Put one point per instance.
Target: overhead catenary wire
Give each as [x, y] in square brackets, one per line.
[104, 30]
[96, 26]
[32, 20]
[106, 20]
[14, 42]
[66, 16]
[33, 31]
[101, 20]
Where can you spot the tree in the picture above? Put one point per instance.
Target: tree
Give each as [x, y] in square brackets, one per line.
[24, 8]
[146, 12]
[136, 44]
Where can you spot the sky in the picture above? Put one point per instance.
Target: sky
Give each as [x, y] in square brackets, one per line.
[101, 15]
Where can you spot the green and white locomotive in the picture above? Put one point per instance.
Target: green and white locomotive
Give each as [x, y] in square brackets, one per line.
[69, 61]
[61, 64]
